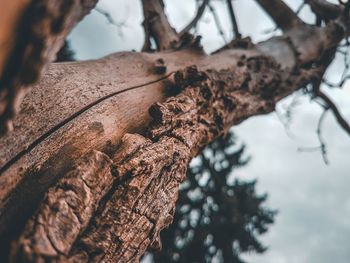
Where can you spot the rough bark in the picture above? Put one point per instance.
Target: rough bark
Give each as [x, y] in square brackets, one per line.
[31, 34]
[222, 90]
[112, 170]
[157, 27]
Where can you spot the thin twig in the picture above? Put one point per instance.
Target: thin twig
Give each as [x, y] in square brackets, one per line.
[217, 22]
[286, 117]
[283, 16]
[322, 147]
[199, 14]
[346, 72]
[337, 85]
[320, 137]
[110, 19]
[237, 34]
[330, 104]
[301, 6]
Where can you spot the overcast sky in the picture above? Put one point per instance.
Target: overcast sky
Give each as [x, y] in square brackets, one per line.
[313, 199]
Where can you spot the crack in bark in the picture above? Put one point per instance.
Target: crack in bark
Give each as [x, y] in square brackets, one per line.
[71, 118]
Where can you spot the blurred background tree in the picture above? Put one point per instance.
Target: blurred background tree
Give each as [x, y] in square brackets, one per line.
[216, 215]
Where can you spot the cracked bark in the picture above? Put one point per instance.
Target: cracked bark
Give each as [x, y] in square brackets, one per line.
[134, 162]
[148, 171]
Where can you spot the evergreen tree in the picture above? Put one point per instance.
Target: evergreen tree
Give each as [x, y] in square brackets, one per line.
[216, 216]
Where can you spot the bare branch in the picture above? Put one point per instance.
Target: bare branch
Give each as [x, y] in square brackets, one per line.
[236, 32]
[330, 104]
[217, 22]
[286, 116]
[199, 14]
[110, 19]
[29, 44]
[157, 26]
[322, 147]
[324, 9]
[281, 14]
[339, 84]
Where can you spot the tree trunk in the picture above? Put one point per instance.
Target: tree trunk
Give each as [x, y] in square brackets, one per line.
[92, 168]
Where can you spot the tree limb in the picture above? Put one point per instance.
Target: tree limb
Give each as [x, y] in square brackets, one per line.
[199, 14]
[235, 29]
[330, 104]
[217, 22]
[157, 26]
[324, 9]
[280, 13]
[30, 44]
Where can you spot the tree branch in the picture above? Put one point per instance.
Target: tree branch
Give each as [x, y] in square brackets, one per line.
[157, 26]
[330, 104]
[217, 22]
[322, 147]
[324, 9]
[236, 33]
[280, 13]
[199, 14]
[110, 19]
[30, 45]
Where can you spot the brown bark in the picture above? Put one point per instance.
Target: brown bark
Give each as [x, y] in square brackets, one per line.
[280, 13]
[325, 9]
[221, 90]
[31, 34]
[157, 27]
[111, 170]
